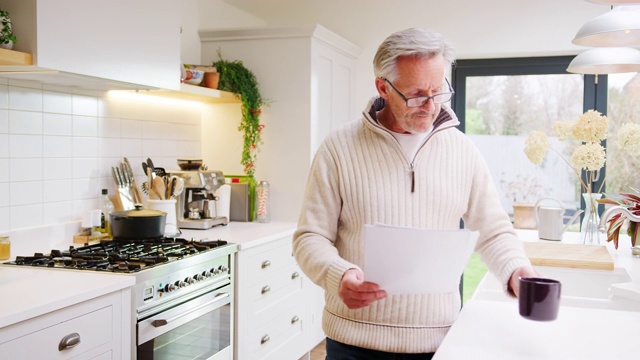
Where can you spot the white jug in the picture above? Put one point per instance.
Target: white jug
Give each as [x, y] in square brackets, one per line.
[549, 220]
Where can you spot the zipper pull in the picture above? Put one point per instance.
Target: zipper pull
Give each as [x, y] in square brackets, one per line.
[413, 179]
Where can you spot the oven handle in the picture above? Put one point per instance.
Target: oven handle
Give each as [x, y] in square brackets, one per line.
[163, 322]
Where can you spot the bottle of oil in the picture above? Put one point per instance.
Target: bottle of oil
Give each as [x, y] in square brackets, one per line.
[5, 248]
[106, 208]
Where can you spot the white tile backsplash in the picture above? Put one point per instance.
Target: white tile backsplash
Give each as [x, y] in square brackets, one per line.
[56, 102]
[25, 122]
[4, 121]
[57, 146]
[25, 193]
[25, 99]
[25, 146]
[57, 124]
[25, 169]
[85, 125]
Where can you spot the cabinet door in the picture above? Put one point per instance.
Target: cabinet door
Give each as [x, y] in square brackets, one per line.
[131, 41]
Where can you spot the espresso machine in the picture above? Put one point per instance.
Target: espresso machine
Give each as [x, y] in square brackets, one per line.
[197, 203]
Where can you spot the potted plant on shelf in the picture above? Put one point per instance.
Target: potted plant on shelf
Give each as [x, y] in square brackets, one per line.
[524, 191]
[236, 78]
[7, 38]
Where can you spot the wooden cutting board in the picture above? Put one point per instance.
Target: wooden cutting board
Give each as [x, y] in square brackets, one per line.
[569, 255]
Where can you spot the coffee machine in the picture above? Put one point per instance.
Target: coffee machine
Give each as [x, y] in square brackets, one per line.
[197, 204]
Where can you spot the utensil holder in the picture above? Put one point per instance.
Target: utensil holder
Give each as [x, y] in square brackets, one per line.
[168, 206]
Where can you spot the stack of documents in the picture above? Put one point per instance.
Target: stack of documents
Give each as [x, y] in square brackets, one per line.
[414, 261]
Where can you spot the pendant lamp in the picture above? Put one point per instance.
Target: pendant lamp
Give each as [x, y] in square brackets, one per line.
[618, 27]
[606, 60]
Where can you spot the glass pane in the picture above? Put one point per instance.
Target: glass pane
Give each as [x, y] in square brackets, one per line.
[623, 170]
[501, 111]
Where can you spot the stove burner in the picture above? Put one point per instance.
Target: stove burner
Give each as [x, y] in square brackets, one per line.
[122, 256]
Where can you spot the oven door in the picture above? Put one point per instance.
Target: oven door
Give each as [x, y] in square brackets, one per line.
[199, 328]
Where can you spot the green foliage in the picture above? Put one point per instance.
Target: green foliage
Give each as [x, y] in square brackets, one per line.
[474, 124]
[6, 33]
[236, 78]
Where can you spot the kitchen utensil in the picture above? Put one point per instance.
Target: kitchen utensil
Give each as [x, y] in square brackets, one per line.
[539, 298]
[137, 196]
[138, 223]
[549, 219]
[178, 188]
[171, 185]
[569, 255]
[159, 187]
[123, 192]
[159, 171]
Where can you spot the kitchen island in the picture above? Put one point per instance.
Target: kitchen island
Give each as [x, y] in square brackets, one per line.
[598, 318]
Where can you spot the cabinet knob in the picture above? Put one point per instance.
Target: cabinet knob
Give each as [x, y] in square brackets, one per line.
[266, 289]
[264, 339]
[69, 341]
[295, 275]
[295, 319]
[266, 264]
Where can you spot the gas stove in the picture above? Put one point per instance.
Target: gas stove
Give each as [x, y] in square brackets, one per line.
[121, 256]
[180, 284]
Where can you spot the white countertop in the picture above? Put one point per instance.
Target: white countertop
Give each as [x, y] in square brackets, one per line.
[29, 292]
[490, 327]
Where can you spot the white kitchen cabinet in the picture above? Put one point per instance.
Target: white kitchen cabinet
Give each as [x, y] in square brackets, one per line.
[101, 326]
[275, 304]
[135, 42]
[308, 74]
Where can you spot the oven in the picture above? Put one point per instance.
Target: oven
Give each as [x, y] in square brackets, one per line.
[183, 299]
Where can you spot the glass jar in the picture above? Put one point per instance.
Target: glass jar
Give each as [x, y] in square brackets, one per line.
[5, 248]
[263, 213]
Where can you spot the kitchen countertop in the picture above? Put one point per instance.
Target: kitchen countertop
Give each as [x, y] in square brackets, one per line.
[490, 327]
[29, 292]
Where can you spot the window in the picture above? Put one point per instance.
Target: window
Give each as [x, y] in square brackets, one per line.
[500, 101]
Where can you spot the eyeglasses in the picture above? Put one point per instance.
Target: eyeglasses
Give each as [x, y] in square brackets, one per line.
[440, 98]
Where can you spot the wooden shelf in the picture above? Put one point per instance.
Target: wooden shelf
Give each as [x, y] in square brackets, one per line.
[15, 58]
[199, 93]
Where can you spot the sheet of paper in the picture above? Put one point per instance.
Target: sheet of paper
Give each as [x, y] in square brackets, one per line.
[414, 261]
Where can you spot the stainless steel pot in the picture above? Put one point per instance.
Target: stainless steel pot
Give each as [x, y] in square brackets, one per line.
[137, 224]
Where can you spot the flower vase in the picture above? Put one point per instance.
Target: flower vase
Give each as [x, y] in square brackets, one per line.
[589, 229]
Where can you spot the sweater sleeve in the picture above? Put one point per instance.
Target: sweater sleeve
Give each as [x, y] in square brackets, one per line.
[314, 239]
[498, 244]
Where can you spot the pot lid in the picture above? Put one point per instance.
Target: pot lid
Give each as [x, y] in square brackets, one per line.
[139, 212]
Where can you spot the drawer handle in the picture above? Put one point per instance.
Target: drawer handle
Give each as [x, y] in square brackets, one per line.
[295, 275]
[266, 264]
[69, 341]
[264, 339]
[295, 319]
[266, 289]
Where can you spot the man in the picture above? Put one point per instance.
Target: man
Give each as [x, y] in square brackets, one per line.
[404, 164]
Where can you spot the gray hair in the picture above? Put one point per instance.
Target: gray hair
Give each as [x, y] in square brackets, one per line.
[410, 42]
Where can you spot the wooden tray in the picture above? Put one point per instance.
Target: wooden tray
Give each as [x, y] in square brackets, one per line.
[569, 255]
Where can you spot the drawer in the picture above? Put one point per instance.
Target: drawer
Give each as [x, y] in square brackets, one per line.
[276, 332]
[264, 264]
[264, 315]
[95, 329]
[268, 291]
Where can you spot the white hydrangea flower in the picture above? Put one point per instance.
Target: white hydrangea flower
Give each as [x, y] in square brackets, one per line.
[629, 138]
[536, 146]
[563, 130]
[590, 156]
[591, 127]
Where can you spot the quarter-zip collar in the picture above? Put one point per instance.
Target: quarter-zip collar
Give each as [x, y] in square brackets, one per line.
[446, 119]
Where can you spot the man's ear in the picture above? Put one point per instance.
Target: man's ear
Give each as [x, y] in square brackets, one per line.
[383, 88]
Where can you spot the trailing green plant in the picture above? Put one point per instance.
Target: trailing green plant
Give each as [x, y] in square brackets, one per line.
[6, 33]
[236, 78]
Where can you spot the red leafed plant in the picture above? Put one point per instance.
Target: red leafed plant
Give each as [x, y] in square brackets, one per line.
[632, 203]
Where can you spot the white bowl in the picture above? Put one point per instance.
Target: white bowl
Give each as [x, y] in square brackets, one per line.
[194, 77]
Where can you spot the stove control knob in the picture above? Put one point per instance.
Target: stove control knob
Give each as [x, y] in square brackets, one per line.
[169, 288]
[189, 280]
[215, 271]
[199, 277]
[206, 274]
[180, 284]
[223, 268]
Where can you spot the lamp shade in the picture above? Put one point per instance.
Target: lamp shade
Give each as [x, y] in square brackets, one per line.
[618, 27]
[606, 60]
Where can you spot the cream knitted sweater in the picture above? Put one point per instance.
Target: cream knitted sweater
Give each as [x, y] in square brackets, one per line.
[361, 175]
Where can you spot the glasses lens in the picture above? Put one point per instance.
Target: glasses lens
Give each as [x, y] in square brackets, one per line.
[442, 98]
[437, 99]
